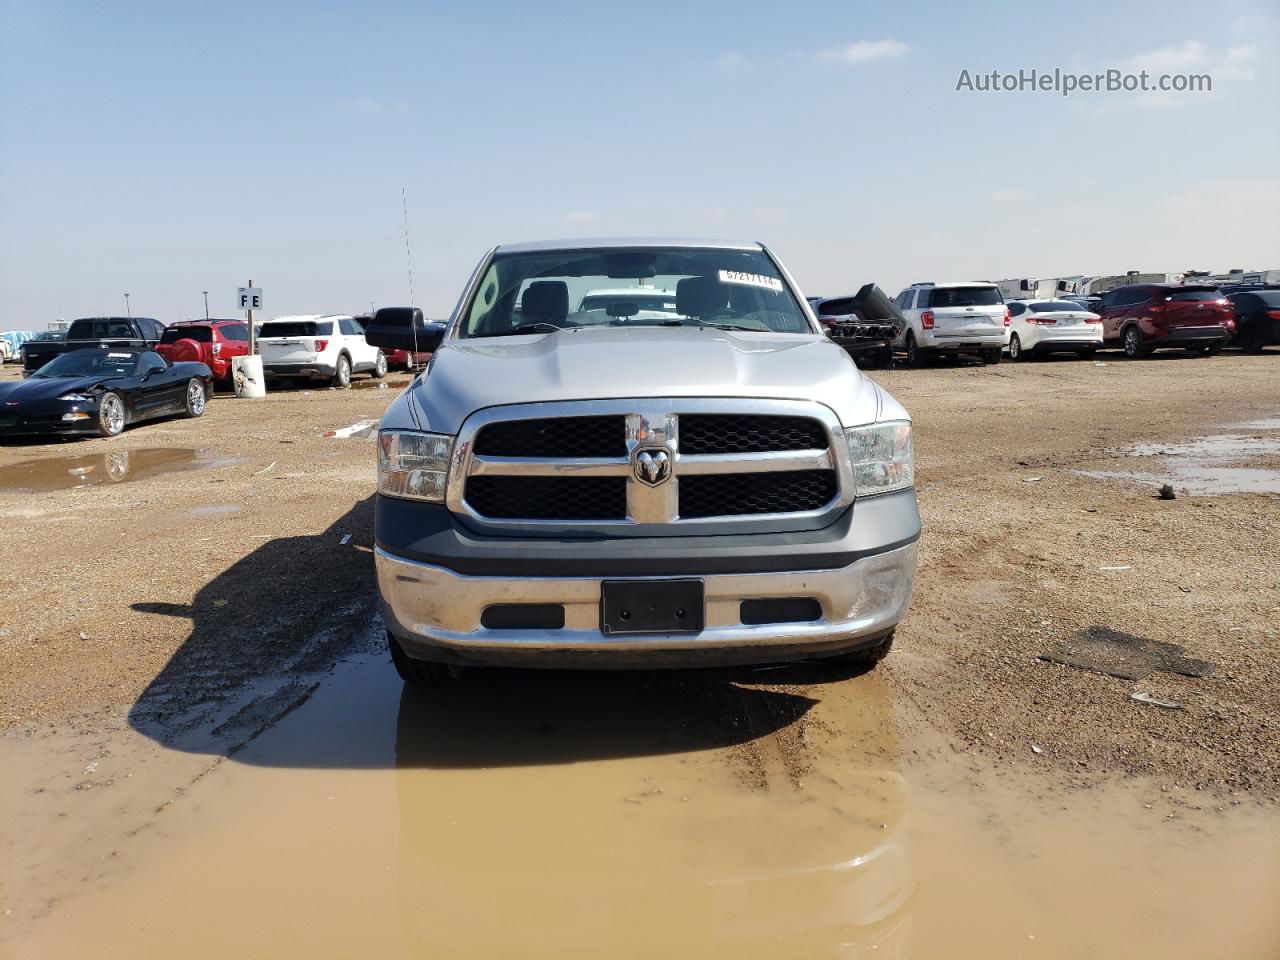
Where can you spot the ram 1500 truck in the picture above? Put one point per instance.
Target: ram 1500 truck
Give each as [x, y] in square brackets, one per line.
[88, 333]
[712, 483]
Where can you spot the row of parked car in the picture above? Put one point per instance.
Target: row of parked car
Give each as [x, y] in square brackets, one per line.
[948, 319]
[316, 348]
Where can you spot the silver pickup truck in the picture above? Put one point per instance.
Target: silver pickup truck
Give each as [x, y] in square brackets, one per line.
[637, 454]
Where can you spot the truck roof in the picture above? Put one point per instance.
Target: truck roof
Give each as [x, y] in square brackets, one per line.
[598, 243]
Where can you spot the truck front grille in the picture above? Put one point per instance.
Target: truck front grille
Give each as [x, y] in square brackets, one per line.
[652, 464]
[555, 437]
[739, 494]
[747, 433]
[549, 498]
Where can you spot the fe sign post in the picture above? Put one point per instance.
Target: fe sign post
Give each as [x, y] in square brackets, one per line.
[250, 299]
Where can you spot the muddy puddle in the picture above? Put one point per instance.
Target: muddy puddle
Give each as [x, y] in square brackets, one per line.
[1208, 466]
[633, 815]
[117, 466]
[379, 384]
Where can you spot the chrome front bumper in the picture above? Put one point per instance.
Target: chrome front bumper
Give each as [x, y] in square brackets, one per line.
[435, 614]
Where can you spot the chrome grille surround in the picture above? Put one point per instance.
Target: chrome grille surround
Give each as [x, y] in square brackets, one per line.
[651, 424]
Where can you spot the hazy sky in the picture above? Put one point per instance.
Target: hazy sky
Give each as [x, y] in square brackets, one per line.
[171, 147]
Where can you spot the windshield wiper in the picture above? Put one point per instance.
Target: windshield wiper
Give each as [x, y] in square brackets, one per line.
[730, 326]
[540, 326]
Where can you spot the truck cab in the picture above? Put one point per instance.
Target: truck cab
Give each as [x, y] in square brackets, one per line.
[124, 333]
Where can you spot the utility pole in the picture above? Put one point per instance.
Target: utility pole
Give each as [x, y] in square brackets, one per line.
[127, 311]
[206, 303]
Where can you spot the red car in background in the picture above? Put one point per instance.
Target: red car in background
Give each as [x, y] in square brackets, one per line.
[211, 342]
[406, 359]
[1150, 316]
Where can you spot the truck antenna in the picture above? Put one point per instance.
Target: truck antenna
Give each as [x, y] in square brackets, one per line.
[408, 258]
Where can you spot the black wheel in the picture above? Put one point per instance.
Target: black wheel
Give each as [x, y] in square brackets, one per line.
[197, 397]
[1016, 352]
[865, 657]
[1212, 350]
[1134, 348]
[111, 414]
[916, 356]
[380, 366]
[883, 358]
[992, 355]
[420, 673]
[342, 372]
[1253, 339]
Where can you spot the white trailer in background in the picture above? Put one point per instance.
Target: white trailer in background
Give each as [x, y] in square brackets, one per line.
[1099, 285]
[1266, 277]
[1029, 288]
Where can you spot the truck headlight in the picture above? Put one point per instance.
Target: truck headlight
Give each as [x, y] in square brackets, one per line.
[880, 454]
[414, 465]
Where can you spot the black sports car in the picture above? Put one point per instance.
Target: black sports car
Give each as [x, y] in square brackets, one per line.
[100, 391]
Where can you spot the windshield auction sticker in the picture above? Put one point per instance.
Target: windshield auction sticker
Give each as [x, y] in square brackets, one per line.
[751, 280]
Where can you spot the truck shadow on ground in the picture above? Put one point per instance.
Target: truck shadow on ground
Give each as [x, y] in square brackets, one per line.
[285, 665]
[523, 718]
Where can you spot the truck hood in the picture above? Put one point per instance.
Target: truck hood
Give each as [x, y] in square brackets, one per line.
[613, 363]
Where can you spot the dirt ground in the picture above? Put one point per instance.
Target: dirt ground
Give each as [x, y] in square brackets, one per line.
[198, 592]
[237, 521]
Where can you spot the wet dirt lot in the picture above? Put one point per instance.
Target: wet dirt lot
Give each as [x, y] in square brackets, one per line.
[206, 751]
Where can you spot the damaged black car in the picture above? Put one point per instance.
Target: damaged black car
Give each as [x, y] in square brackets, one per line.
[101, 391]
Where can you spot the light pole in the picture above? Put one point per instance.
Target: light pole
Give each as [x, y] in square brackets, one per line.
[206, 303]
[127, 311]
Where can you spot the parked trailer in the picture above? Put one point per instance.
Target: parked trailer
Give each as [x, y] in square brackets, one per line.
[1265, 278]
[1028, 288]
[1100, 285]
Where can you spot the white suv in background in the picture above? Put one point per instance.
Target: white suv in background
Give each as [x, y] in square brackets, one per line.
[952, 318]
[317, 348]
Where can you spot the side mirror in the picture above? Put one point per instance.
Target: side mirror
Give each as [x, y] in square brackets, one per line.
[403, 328]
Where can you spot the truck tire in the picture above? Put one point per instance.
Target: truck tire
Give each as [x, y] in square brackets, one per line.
[992, 355]
[866, 657]
[420, 673]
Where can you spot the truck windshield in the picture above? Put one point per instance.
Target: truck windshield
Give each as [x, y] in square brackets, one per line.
[629, 287]
[89, 363]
